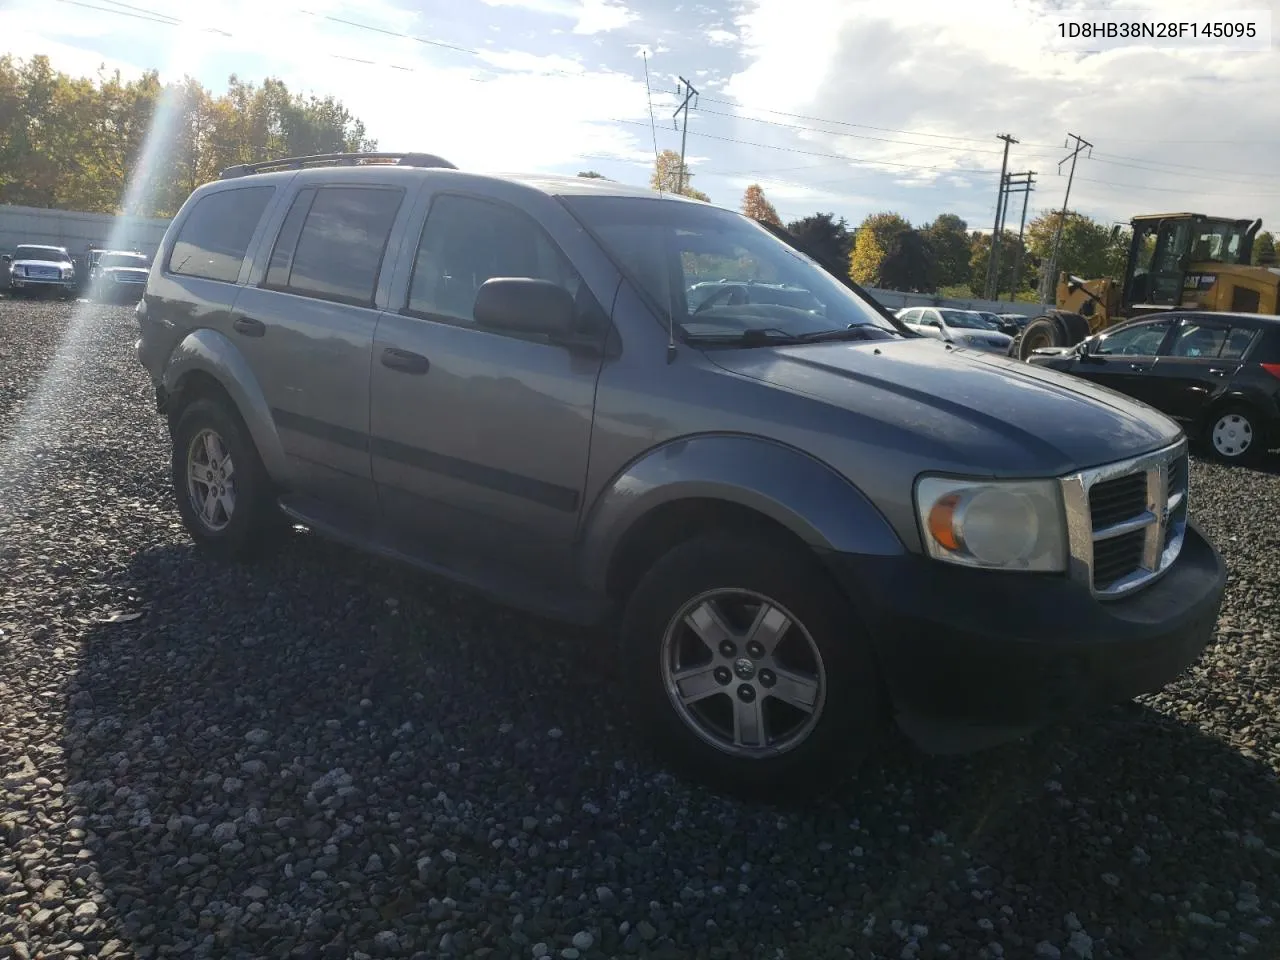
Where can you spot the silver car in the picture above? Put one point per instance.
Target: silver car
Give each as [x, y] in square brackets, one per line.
[964, 328]
[797, 521]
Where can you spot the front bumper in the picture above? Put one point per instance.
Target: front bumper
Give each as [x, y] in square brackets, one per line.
[978, 656]
[41, 283]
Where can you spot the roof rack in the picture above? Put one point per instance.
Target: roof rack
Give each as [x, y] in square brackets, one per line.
[337, 160]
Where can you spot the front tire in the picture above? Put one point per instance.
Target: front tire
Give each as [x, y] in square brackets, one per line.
[224, 494]
[748, 669]
[1234, 435]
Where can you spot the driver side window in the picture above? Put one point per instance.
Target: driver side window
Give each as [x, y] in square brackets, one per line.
[1142, 340]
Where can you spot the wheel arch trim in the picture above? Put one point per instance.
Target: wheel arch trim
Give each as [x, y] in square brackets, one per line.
[791, 487]
[211, 353]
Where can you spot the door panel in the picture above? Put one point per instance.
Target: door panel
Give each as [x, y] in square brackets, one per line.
[1123, 359]
[480, 440]
[1200, 360]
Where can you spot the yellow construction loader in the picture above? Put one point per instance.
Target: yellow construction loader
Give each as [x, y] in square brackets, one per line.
[1177, 261]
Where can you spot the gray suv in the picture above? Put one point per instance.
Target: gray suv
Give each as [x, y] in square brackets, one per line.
[800, 524]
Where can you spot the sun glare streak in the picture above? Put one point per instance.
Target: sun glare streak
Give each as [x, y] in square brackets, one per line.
[46, 410]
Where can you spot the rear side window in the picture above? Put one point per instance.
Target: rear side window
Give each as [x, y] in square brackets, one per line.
[332, 243]
[214, 237]
[1268, 351]
[1197, 340]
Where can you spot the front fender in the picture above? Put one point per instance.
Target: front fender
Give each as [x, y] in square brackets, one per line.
[210, 352]
[803, 494]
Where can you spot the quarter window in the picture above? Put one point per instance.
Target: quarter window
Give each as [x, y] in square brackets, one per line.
[1238, 341]
[332, 243]
[215, 236]
[1142, 340]
[467, 241]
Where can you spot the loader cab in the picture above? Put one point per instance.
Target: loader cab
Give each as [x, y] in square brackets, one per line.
[1164, 246]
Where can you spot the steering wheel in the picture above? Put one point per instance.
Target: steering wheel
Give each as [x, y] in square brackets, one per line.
[732, 296]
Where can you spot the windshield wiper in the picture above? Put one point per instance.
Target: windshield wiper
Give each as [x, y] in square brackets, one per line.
[773, 337]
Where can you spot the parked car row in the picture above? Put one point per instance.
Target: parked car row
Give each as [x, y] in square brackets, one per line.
[966, 328]
[48, 270]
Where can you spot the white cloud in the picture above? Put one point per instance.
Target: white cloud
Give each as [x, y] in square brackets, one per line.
[591, 16]
[720, 38]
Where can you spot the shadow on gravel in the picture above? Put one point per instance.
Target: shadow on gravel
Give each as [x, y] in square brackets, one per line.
[324, 754]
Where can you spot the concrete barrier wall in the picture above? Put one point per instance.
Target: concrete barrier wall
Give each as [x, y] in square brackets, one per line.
[895, 300]
[76, 231]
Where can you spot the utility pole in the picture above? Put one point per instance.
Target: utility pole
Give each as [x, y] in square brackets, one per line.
[689, 94]
[1014, 183]
[995, 230]
[1027, 186]
[1049, 282]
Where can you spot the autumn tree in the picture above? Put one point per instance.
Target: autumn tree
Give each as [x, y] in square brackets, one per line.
[871, 244]
[1264, 249]
[828, 238]
[671, 175]
[909, 263]
[756, 206]
[103, 144]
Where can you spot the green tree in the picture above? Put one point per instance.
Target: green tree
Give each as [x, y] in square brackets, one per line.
[948, 236]
[756, 206]
[592, 175]
[827, 237]
[871, 244]
[980, 257]
[667, 177]
[1264, 249]
[909, 263]
[1087, 249]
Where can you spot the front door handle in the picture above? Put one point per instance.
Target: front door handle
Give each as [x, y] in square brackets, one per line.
[1137, 366]
[1217, 372]
[404, 360]
[249, 326]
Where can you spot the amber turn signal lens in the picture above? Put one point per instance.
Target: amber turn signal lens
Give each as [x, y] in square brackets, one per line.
[941, 516]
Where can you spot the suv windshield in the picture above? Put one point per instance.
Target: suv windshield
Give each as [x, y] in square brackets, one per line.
[966, 321]
[40, 253]
[719, 275]
[122, 260]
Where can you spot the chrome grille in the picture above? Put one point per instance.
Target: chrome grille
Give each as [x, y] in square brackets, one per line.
[1126, 521]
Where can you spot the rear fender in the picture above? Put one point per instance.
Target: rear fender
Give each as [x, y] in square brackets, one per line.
[784, 484]
[209, 352]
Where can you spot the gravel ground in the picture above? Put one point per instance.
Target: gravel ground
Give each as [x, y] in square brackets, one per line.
[326, 756]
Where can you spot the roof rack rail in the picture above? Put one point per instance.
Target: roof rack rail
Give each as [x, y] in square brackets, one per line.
[337, 160]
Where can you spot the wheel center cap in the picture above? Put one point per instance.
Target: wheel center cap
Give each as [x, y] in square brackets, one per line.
[744, 668]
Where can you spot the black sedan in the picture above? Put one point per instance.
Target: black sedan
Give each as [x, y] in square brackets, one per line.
[1218, 374]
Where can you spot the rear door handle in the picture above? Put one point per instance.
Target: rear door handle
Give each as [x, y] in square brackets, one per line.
[249, 326]
[1217, 372]
[404, 360]
[1137, 366]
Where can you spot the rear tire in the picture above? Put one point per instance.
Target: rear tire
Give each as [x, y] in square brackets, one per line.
[822, 659]
[224, 495]
[1234, 435]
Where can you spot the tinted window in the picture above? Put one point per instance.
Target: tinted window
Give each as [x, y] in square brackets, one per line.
[214, 237]
[1268, 351]
[1142, 340]
[466, 242]
[1238, 341]
[1197, 340]
[339, 249]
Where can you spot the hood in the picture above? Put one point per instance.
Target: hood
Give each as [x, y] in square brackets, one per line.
[962, 408]
[41, 263]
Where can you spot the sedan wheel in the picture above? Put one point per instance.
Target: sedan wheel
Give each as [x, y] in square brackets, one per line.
[1232, 435]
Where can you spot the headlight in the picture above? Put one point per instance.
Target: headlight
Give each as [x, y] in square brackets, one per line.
[1006, 525]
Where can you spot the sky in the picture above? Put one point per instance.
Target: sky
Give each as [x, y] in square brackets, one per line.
[841, 106]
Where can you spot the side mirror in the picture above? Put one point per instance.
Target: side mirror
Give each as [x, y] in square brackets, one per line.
[525, 305]
[6, 258]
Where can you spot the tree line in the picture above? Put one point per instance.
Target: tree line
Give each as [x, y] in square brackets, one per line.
[78, 143]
